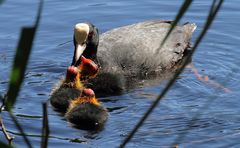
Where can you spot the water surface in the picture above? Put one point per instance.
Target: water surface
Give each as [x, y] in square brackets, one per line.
[192, 114]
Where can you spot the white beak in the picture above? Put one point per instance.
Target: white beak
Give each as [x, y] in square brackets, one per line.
[79, 51]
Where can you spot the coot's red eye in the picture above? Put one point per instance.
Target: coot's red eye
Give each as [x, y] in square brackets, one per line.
[90, 34]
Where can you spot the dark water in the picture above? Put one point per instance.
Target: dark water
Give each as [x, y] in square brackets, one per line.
[199, 114]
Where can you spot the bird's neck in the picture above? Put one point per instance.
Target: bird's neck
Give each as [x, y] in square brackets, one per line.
[74, 81]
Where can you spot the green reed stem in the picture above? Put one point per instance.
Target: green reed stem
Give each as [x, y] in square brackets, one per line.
[212, 14]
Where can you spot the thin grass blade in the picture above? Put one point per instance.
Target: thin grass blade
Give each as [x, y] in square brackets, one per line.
[181, 12]
[19, 127]
[212, 14]
[179, 15]
[172, 81]
[45, 128]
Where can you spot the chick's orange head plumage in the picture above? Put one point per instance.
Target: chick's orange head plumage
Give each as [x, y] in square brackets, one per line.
[88, 68]
[87, 96]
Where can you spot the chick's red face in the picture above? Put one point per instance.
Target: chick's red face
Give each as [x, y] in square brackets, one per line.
[72, 71]
[88, 92]
[88, 68]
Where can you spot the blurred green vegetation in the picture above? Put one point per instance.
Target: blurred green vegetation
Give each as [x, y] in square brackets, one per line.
[20, 63]
[1, 1]
[3, 145]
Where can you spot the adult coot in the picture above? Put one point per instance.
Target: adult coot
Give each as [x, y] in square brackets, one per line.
[128, 53]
